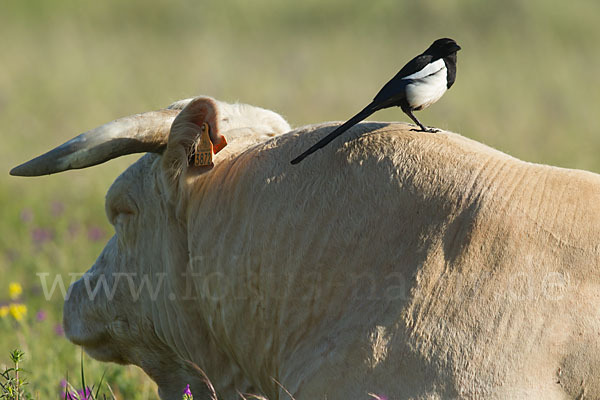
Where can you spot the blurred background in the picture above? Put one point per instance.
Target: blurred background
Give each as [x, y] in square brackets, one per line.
[527, 84]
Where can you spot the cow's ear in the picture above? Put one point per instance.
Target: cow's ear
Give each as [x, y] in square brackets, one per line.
[193, 140]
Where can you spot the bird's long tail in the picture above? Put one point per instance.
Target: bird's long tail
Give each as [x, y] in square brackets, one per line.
[368, 110]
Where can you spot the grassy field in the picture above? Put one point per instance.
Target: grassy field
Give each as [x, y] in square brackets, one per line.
[527, 84]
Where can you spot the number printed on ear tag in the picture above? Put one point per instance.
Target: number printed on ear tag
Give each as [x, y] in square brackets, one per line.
[204, 149]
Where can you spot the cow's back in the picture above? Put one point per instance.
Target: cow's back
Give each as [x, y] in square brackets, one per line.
[403, 263]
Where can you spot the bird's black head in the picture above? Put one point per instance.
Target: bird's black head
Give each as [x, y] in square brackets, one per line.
[442, 48]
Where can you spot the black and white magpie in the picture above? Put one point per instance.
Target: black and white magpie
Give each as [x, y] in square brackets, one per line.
[419, 84]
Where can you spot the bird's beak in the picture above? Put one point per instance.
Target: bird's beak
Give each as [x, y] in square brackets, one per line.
[457, 47]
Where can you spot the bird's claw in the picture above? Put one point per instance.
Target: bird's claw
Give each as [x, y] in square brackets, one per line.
[429, 130]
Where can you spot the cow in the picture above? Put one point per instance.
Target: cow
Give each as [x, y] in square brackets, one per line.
[393, 264]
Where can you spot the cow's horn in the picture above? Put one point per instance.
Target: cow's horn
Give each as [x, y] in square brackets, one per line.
[140, 133]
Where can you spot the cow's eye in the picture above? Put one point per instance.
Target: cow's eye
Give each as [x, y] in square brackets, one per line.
[122, 217]
[118, 216]
[119, 209]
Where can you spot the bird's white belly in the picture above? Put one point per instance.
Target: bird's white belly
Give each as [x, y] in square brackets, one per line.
[421, 93]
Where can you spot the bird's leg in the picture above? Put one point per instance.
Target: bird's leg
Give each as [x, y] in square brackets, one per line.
[423, 129]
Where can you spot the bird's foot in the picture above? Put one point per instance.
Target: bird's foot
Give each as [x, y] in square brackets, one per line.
[423, 129]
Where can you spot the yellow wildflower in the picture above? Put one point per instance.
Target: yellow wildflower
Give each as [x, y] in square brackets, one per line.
[15, 290]
[3, 311]
[18, 311]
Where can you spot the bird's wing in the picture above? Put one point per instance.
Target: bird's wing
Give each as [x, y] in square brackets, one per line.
[430, 69]
[393, 91]
[416, 64]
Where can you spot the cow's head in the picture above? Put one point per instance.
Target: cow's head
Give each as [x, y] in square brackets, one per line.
[132, 306]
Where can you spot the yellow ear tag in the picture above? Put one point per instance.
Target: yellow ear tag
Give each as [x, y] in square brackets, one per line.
[204, 148]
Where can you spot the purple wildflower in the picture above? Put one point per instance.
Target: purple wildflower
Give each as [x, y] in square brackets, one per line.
[81, 394]
[65, 393]
[58, 329]
[84, 394]
[96, 233]
[187, 393]
[41, 316]
[57, 208]
[39, 236]
[26, 215]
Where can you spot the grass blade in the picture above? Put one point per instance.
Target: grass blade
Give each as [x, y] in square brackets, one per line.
[111, 392]
[83, 378]
[66, 385]
[100, 385]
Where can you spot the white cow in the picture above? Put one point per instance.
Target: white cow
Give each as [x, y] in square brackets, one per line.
[392, 263]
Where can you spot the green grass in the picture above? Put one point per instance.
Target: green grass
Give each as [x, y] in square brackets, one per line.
[527, 84]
